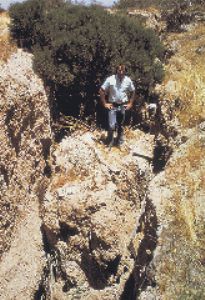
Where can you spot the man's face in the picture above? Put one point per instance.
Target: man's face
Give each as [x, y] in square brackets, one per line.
[121, 72]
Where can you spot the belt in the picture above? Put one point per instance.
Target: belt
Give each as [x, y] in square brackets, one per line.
[117, 104]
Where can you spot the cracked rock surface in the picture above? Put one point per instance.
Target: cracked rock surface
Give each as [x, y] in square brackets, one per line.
[90, 214]
[25, 138]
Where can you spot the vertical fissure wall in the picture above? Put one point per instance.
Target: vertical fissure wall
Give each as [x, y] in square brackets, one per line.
[141, 278]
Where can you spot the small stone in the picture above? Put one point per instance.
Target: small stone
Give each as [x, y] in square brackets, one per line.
[148, 251]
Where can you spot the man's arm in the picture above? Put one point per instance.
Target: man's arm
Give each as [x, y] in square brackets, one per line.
[105, 104]
[132, 95]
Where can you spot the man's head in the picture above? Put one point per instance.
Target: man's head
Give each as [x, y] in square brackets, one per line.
[121, 71]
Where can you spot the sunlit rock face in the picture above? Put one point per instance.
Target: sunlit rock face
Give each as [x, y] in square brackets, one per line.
[90, 214]
[178, 194]
[25, 141]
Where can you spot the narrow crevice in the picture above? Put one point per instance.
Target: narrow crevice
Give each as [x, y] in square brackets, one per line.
[5, 174]
[46, 244]
[158, 123]
[162, 153]
[51, 272]
[40, 294]
[95, 274]
[113, 266]
[47, 170]
[66, 231]
[49, 276]
[139, 279]
[46, 145]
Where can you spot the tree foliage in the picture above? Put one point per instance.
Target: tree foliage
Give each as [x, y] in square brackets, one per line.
[1, 9]
[26, 18]
[76, 47]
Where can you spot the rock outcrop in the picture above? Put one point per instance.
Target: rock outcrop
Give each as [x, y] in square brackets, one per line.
[91, 212]
[178, 194]
[25, 140]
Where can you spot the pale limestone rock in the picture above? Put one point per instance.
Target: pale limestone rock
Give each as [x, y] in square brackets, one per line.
[24, 130]
[178, 195]
[90, 217]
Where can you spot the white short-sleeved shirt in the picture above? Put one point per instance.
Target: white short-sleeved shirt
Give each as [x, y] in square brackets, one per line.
[117, 90]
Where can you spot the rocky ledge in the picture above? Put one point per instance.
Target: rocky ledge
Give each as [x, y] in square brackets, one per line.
[91, 213]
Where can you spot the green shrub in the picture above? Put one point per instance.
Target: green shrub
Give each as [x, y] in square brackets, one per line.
[76, 47]
[80, 46]
[1, 9]
[26, 18]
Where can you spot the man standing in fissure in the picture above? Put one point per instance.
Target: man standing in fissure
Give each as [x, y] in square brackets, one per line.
[117, 95]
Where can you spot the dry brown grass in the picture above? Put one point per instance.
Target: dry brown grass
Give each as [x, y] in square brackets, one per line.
[182, 273]
[187, 163]
[186, 69]
[191, 88]
[60, 180]
[4, 20]
[188, 175]
[6, 45]
[182, 269]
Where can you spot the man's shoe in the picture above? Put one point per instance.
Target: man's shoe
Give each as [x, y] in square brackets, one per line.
[120, 140]
[110, 138]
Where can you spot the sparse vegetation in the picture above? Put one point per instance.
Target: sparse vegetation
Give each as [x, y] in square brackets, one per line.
[6, 45]
[182, 272]
[177, 17]
[141, 4]
[192, 91]
[160, 4]
[185, 69]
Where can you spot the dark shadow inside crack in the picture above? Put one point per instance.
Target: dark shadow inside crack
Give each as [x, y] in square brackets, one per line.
[149, 159]
[93, 271]
[66, 231]
[141, 276]
[162, 153]
[97, 275]
[112, 266]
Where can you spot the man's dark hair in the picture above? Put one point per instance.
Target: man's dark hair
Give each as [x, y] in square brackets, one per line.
[123, 67]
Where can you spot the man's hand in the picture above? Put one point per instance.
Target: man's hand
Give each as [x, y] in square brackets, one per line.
[128, 106]
[108, 105]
